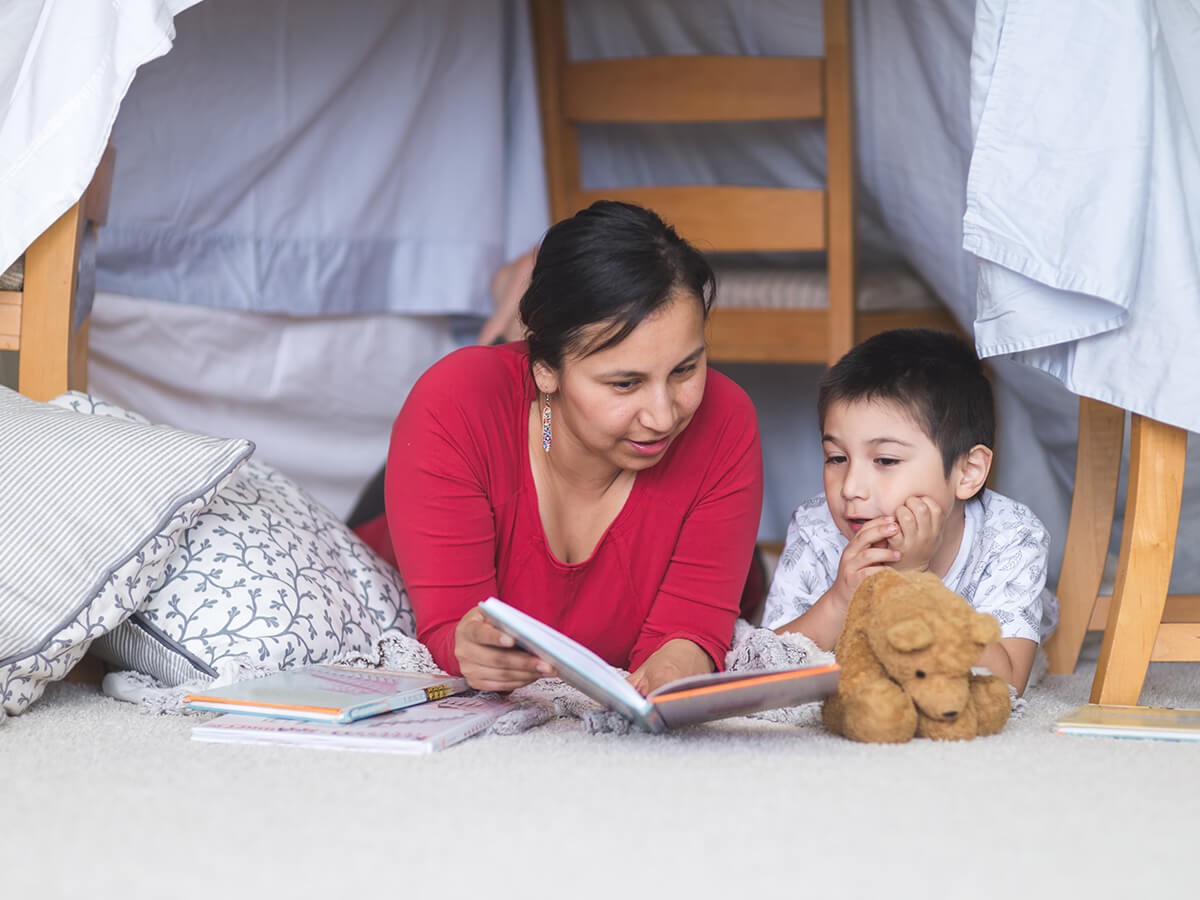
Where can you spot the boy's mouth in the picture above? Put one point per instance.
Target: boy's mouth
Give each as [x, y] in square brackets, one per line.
[856, 523]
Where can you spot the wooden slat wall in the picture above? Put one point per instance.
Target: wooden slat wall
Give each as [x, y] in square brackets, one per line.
[728, 219]
[693, 89]
[839, 154]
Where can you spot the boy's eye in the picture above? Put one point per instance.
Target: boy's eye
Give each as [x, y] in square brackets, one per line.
[833, 459]
[887, 461]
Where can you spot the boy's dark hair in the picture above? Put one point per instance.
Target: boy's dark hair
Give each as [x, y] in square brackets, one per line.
[612, 262]
[933, 375]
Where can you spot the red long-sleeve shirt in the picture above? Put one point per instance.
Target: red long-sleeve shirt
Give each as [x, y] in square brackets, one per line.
[463, 518]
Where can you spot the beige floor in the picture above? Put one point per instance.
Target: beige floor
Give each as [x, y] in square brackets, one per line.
[103, 801]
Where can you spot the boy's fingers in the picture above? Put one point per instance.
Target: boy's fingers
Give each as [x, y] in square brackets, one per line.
[876, 530]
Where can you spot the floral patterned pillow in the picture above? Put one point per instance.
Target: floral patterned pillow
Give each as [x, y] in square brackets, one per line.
[91, 513]
[265, 575]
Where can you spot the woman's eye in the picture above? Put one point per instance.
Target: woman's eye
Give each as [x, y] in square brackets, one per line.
[622, 385]
[686, 370]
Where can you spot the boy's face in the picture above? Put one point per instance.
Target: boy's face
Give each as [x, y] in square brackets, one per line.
[876, 458]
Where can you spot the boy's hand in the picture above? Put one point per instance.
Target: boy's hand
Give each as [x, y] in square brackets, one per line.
[920, 523]
[867, 553]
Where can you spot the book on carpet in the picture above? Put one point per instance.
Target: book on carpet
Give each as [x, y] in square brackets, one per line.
[325, 693]
[415, 729]
[685, 701]
[1143, 722]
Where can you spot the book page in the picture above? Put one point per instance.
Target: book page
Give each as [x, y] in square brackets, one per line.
[706, 697]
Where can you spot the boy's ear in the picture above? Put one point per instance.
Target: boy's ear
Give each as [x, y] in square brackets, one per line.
[545, 377]
[972, 471]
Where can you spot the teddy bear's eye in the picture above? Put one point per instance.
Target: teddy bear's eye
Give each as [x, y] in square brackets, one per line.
[920, 673]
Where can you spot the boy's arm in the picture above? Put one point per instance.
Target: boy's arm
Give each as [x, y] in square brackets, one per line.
[1011, 659]
[822, 622]
[866, 553]
[1011, 585]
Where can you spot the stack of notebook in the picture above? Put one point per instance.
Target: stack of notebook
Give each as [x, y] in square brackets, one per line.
[346, 708]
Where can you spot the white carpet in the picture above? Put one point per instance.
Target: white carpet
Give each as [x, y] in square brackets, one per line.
[103, 801]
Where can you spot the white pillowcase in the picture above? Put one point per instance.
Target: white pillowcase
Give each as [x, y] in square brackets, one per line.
[91, 512]
[266, 574]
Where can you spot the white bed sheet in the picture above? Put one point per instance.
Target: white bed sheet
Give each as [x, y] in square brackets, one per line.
[1083, 202]
[316, 395]
[64, 67]
[289, 156]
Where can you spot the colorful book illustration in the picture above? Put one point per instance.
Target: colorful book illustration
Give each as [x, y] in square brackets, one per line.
[327, 693]
[699, 698]
[1143, 722]
[417, 729]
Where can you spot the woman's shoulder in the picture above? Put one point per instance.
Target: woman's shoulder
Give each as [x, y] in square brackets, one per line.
[471, 396]
[480, 370]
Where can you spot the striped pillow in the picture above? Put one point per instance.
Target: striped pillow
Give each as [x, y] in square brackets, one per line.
[91, 510]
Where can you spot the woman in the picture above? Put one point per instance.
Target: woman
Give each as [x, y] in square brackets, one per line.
[596, 476]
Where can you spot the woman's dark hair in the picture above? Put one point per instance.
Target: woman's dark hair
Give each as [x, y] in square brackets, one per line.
[612, 262]
[934, 376]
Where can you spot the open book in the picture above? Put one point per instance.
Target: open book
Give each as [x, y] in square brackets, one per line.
[327, 693]
[699, 698]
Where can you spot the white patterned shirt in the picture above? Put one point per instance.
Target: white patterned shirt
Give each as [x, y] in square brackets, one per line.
[1000, 567]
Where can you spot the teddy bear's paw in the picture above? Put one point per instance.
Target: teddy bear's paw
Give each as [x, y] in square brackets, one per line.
[879, 713]
[832, 714]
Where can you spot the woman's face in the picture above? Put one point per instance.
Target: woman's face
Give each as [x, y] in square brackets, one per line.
[624, 405]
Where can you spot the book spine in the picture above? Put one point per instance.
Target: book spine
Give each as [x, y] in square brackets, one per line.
[399, 701]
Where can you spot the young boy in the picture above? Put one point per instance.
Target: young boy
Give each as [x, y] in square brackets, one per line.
[907, 425]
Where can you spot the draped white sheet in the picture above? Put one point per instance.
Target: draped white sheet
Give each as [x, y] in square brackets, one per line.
[1083, 201]
[290, 157]
[64, 67]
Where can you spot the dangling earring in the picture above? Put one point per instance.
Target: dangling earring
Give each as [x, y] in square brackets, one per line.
[546, 423]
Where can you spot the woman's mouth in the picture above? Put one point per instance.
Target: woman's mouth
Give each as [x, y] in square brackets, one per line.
[650, 448]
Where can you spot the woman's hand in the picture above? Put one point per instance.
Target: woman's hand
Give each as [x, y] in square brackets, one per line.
[677, 658]
[488, 658]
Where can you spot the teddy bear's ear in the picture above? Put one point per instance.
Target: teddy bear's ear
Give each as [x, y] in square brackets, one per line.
[984, 629]
[909, 635]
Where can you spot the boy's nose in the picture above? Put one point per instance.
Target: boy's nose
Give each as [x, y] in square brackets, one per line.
[854, 485]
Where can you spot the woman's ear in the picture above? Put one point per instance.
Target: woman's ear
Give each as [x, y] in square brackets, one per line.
[545, 377]
[972, 471]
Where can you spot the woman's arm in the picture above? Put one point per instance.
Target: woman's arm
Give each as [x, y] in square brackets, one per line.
[690, 625]
[442, 528]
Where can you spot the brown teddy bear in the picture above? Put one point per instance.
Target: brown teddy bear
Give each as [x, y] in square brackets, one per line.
[905, 654]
